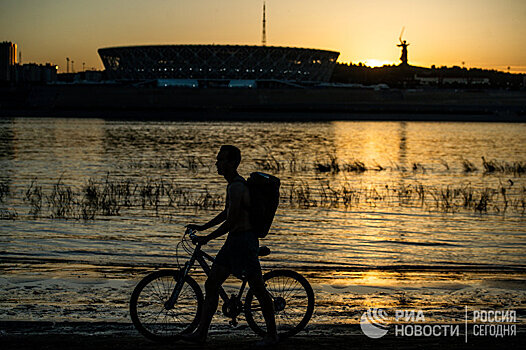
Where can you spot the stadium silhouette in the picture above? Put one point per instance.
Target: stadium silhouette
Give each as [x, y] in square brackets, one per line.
[218, 62]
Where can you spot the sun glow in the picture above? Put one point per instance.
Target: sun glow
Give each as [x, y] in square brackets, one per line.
[377, 63]
[481, 33]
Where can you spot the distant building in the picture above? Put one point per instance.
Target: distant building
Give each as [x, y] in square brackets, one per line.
[33, 73]
[427, 80]
[93, 76]
[455, 80]
[451, 80]
[7, 60]
[218, 62]
[84, 77]
[187, 83]
[480, 81]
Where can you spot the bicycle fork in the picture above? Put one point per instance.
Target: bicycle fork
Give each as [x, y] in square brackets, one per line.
[170, 303]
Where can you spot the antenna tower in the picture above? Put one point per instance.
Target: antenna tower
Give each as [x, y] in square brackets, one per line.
[264, 36]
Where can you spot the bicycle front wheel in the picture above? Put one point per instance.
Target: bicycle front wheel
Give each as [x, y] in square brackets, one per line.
[147, 306]
[293, 300]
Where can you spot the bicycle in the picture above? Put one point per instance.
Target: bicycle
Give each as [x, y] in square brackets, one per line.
[167, 303]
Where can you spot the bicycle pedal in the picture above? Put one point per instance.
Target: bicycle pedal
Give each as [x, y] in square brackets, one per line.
[233, 323]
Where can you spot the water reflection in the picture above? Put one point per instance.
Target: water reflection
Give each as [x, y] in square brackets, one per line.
[7, 137]
[367, 233]
[402, 158]
[48, 149]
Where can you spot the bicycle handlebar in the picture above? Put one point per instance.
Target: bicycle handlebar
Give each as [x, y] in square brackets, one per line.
[191, 233]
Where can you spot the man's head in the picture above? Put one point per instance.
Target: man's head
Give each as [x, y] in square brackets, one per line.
[228, 159]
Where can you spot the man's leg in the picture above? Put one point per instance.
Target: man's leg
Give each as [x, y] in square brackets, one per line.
[218, 275]
[267, 306]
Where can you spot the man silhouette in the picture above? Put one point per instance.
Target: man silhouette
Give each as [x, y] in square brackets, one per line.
[239, 254]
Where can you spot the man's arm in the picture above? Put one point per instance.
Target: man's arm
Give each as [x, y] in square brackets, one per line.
[215, 221]
[221, 230]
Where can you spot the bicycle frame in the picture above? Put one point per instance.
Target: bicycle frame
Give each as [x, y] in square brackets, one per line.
[147, 317]
[201, 257]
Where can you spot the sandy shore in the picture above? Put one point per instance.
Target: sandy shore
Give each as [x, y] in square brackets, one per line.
[85, 335]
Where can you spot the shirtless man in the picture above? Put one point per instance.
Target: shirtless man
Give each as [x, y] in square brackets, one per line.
[239, 254]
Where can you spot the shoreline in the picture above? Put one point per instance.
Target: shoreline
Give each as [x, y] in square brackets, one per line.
[261, 116]
[124, 266]
[100, 335]
[87, 294]
[215, 104]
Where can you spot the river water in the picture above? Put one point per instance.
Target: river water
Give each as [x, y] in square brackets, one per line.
[360, 202]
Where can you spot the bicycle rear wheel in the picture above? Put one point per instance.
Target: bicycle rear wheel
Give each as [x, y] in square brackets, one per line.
[149, 314]
[293, 299]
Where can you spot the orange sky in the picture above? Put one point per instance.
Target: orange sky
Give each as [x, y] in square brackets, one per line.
[481, 33]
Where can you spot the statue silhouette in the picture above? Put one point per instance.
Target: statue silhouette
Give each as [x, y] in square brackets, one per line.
[403, 44]
[403, 57]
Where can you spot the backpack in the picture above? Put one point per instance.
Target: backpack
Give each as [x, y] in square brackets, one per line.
[264, 200]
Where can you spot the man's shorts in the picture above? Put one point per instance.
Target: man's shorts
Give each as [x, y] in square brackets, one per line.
[239, 254]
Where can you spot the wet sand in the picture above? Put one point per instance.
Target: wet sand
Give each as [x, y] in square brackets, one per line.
[85, 335]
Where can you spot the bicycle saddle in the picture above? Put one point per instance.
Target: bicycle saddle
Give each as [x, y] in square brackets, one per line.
[263, 251]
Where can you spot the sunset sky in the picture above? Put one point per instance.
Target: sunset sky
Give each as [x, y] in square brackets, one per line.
[481, 33]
